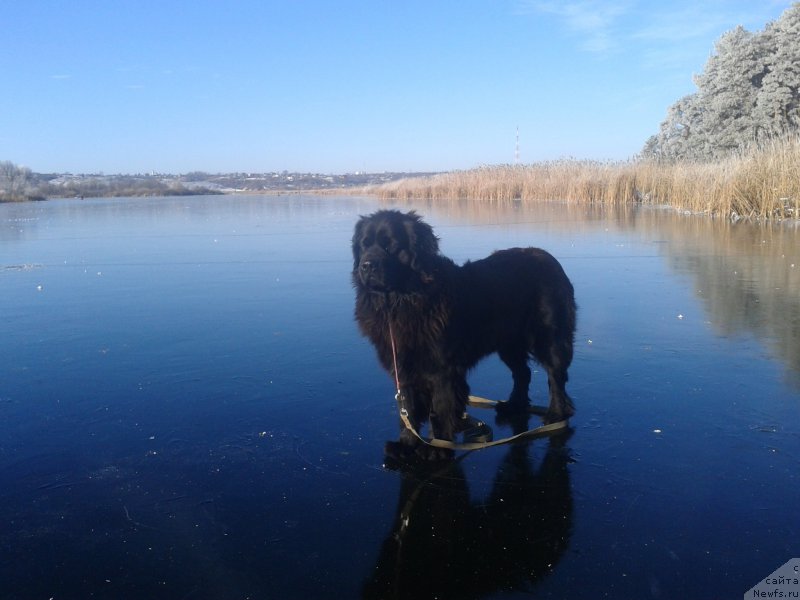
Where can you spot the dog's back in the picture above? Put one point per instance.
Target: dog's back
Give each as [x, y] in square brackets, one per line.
[523, 277]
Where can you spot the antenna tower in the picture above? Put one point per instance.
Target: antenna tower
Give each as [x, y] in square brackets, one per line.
[516, 149]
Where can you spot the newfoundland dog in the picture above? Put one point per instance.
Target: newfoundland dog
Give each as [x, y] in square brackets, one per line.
[431, 320]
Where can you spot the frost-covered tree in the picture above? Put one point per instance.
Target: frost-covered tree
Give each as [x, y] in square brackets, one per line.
[749, 90]
[778, 104]
[13, 181]
[678, 134]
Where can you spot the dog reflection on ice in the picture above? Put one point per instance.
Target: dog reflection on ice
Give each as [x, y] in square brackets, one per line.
[441, 545]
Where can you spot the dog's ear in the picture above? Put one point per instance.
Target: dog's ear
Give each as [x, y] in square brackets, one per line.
[424, 238]
[424, 246]
[358, 233]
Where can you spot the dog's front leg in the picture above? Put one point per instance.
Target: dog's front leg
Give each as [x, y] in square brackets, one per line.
[411, 407]
[449, 401]
[418, 407]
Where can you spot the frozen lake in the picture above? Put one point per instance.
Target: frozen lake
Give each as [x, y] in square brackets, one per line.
[187, 410]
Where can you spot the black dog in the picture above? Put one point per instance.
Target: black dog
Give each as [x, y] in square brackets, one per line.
[443, 318]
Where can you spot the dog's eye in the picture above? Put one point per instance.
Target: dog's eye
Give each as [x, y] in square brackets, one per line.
[384, 242]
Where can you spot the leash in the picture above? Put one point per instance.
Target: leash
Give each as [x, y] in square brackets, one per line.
[477, 402]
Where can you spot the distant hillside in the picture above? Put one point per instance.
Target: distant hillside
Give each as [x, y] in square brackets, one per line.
[20, 183]
[286, 181]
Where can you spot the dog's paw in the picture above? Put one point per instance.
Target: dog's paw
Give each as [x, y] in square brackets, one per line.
[517, 422]
[511, 408]
[398, 451]
[432, 453]
[397, 454]
[551, 417]
[559, 411]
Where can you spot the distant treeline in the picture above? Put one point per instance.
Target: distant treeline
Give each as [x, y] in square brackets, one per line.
[16, 183]
[20, 183]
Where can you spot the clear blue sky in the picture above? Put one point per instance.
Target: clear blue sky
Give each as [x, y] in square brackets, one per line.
[342, 85]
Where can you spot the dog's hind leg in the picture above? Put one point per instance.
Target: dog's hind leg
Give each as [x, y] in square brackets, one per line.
[556, 360]
[516, 359]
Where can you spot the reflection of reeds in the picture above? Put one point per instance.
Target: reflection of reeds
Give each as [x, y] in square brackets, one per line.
[747, 275]
[762, 182]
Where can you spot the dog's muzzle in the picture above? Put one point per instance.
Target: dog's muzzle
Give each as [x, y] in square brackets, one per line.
[370, 274]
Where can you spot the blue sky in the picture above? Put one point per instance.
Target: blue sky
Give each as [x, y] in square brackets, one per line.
[339, 86]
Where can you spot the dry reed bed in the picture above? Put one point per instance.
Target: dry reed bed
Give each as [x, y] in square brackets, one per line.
[759, 183]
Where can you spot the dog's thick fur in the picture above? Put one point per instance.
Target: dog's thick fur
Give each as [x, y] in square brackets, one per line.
[444, 318]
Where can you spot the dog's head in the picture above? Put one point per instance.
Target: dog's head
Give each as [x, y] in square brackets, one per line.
[393, 252]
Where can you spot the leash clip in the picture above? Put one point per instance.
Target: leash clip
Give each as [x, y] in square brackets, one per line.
[400, 397]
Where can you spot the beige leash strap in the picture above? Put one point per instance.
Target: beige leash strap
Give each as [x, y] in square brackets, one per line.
[479, 402]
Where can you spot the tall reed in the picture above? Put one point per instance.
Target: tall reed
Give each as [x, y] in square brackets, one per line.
[759, 183]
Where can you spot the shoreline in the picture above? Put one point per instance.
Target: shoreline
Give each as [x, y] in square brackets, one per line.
[762, 183]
